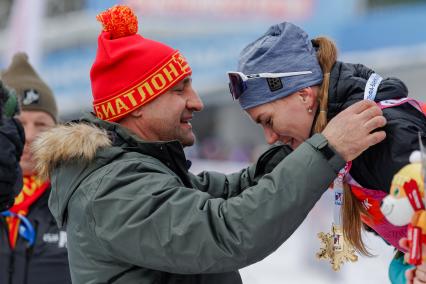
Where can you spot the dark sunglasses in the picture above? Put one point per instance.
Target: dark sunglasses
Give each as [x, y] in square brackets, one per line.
[237, 80]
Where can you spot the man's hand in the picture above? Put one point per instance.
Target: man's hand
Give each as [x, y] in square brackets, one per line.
[351, 131]
[416, 275]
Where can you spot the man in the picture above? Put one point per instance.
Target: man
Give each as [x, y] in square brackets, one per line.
[121, 186]
[11, 146]
[32, 248]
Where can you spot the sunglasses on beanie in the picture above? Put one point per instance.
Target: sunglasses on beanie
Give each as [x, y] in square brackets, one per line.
[238, 85]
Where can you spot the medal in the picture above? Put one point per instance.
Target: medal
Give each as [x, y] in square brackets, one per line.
[335, 249]
[333, 244]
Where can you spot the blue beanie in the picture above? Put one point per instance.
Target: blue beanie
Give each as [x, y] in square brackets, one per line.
[283, 48]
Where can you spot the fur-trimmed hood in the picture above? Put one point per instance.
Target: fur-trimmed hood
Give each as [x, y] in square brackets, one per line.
[65, 143]
[67, 154]
[76, 156]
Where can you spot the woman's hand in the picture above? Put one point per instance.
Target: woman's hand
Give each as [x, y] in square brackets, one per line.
[416, 275]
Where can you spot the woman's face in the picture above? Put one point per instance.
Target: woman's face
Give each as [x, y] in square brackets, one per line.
[288, 120]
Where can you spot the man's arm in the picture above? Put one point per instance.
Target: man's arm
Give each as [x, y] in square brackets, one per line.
[160, 224]
[226, 186]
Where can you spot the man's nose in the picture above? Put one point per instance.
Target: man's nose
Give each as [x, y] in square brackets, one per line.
[30, 133]
[194, 102]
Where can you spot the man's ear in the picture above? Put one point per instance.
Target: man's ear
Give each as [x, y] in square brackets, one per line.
[137, 113]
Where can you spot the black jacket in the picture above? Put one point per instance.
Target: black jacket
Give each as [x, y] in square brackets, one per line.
[375, 168]
[11, 145]
[44, 263]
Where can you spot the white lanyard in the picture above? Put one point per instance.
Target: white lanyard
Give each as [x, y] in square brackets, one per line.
[371, 87]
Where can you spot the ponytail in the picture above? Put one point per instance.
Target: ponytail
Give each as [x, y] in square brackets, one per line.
[327, 56]
[352, 226]
[352, 209]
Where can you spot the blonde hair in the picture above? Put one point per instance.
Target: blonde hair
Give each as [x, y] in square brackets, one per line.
[352, 209]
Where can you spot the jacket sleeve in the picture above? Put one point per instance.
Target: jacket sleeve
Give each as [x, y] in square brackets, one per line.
[149, 219]
[11, 146]
[226, 186]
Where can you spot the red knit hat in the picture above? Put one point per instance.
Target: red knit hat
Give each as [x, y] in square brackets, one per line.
[130, 70]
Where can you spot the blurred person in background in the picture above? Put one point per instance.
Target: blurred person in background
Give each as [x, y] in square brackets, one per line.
[293, 86]
[32, 248]
[120, 180]
[12, 140]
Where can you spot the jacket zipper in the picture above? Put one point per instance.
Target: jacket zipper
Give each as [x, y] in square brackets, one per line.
[29, 253]
[11, 266]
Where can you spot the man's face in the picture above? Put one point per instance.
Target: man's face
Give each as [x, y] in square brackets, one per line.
[34, 123]
[168, 116]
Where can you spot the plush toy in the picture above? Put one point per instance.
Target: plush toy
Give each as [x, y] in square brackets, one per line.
[405, 205]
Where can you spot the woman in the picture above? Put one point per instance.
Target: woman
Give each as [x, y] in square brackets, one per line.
[292, 86]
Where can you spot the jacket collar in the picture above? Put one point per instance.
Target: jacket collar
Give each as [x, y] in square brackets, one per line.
[347, 84]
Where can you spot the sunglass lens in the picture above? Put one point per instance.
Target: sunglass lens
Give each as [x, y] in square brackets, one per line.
[236, 85]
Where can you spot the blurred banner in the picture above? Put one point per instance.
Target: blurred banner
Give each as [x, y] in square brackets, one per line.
[25, 28]
[62, 42]
[278, 9]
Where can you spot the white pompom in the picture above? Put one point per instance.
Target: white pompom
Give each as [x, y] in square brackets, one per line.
[415, 157]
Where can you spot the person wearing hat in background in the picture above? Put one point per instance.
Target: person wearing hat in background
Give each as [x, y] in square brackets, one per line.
[293, 87]
[120, 180]
[11, 145]
[32, 248]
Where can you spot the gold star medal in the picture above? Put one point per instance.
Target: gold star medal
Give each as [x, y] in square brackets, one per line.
[333, 244]
[335, 248]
